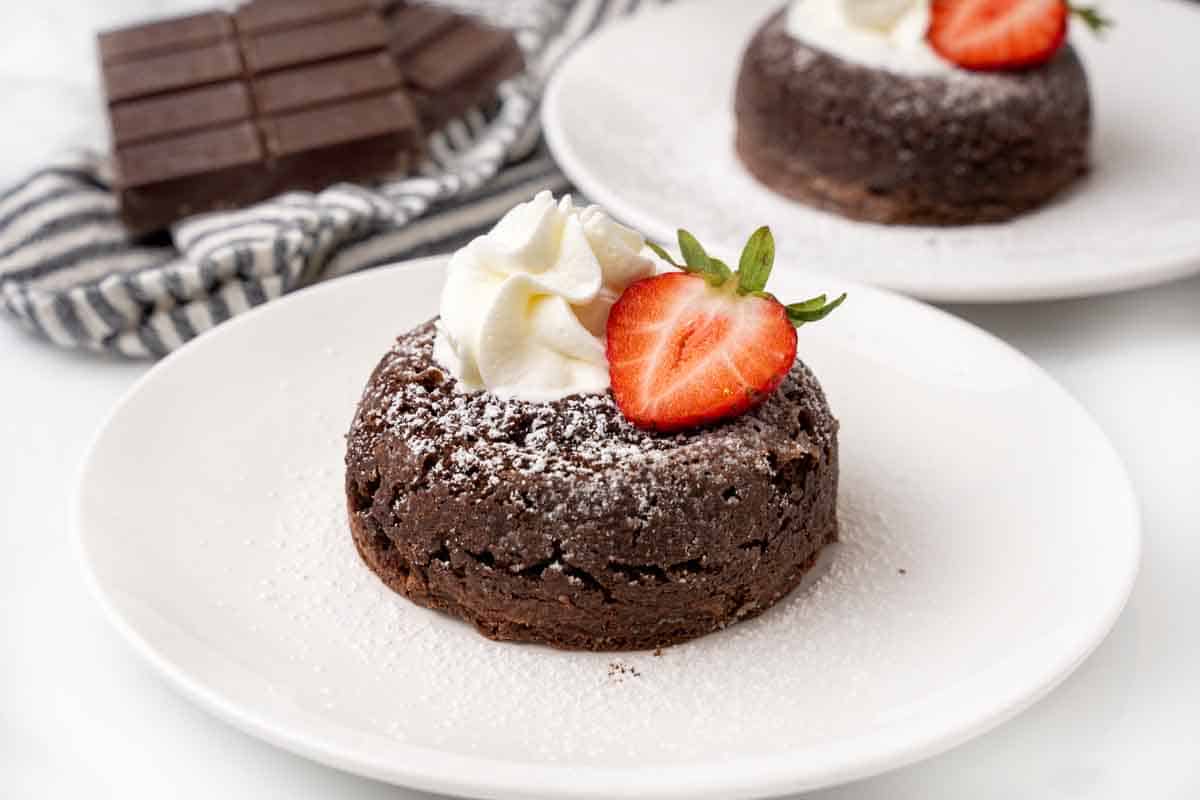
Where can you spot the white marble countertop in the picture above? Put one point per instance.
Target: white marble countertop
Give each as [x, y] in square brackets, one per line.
[81, 715]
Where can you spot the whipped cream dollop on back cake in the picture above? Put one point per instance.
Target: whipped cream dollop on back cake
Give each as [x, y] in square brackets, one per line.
[491, 474]
[886, 34]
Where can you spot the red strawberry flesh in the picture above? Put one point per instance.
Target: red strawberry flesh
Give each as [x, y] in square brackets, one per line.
[998, 34]
[683, 354]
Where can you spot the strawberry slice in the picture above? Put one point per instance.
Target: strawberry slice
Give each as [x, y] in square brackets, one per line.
[1003, 34]
[691, 348]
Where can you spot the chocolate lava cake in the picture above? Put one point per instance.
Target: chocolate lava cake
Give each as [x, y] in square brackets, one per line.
[563, 524]
[880, 146]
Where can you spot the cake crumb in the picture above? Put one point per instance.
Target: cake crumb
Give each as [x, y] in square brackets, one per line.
[617, 669]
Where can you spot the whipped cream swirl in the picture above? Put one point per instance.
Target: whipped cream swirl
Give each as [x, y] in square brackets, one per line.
[524, 308]
[884, 34]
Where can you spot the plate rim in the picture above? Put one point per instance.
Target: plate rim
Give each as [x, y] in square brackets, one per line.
[1142, 273]
[433, 770]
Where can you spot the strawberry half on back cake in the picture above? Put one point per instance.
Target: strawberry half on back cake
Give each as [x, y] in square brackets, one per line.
[583, 452]
[934, 112]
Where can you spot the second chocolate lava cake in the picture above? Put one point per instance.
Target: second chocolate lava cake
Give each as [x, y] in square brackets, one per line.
[563, 524]
[908, 149]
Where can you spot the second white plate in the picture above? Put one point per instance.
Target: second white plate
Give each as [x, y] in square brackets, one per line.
[989, 540]
[640, 117]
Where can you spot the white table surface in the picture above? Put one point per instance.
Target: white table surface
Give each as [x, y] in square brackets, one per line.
[80, 715]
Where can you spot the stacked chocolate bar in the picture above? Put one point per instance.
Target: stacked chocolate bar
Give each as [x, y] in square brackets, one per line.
[450, 63]
[217, 110]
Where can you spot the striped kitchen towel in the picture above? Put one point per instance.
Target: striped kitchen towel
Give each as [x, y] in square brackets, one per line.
[70, 273]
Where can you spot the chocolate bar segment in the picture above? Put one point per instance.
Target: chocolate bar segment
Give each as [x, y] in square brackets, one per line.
[261, 16]
[179, 112]
[156, 38]
[312, 86]
[192, 154]
[450, 63]
[415, 26]
[162, 73]
[360, 138]
[315, 42]
[453, 59]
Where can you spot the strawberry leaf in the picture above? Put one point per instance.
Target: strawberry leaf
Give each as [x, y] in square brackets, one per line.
[699, 262]
[1093, 17]
[811, 304]
[758, 256]
[693, 252]
[663, 254]
[812, 310]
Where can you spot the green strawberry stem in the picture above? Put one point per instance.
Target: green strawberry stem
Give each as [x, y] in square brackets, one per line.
[1093, 17]
[754, 268]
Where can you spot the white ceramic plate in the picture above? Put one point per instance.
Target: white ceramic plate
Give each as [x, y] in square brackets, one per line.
[640, 117]
[990, 538]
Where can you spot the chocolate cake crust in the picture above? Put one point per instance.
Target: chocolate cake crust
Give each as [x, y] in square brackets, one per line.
[561, 523]
[901, 149]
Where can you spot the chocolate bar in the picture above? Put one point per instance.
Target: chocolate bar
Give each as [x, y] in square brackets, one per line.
[217, 110]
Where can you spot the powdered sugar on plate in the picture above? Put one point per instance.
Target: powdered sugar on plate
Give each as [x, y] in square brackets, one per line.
[971, 577]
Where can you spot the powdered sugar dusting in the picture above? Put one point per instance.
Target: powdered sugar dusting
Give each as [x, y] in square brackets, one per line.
[580, 444]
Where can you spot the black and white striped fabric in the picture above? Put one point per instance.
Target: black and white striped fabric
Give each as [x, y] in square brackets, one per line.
[69, 272]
